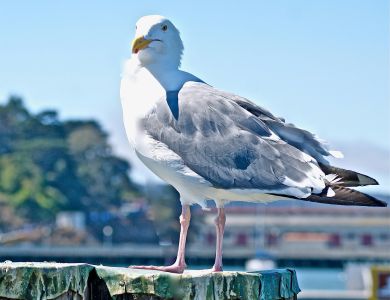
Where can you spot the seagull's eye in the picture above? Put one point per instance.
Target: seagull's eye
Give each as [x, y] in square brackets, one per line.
[164, 28]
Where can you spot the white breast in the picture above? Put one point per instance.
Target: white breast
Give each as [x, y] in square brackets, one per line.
[139, 92]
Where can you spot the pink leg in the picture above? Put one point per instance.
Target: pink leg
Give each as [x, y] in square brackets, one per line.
[220, 228]
[180, 264]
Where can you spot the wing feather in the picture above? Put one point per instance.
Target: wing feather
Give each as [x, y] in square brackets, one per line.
[229, 146]
[297, 137]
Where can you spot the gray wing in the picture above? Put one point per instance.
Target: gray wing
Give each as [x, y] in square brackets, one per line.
[228, 145]
[297, 137]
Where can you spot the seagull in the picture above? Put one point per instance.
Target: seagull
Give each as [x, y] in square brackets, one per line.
[214, 145]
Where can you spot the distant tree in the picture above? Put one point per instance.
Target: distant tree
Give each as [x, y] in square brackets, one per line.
[47, 165]
[105, 175]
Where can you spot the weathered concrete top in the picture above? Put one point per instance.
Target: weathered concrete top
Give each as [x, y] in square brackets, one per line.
[52, 280]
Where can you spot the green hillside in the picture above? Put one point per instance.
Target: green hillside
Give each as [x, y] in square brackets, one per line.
[48, 165]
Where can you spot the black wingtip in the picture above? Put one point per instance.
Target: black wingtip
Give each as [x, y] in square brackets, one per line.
[366, 180]
[381, 203]
[346, 196]
[373, 180]
[348, 178]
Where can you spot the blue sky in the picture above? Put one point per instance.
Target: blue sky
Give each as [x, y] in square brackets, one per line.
[323, 65]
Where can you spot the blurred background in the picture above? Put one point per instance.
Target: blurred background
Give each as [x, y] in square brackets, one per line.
[71, 190]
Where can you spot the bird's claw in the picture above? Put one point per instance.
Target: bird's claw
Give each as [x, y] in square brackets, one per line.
[216, 269]
[175, 268]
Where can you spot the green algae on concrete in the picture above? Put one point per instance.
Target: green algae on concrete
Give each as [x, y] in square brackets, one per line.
[52, 280]
[278, 284]
[42, 280]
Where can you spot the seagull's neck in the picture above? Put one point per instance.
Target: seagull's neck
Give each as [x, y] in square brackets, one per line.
[168, 75]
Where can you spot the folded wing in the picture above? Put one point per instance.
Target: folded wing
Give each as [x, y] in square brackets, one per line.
[231, 147]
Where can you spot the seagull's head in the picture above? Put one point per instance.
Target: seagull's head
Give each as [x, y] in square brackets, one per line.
[157, 41]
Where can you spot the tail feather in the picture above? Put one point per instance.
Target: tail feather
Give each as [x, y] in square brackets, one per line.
[348, 178]
[345, 196]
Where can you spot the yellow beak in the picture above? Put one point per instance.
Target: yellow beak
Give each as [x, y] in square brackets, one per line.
[139, 43]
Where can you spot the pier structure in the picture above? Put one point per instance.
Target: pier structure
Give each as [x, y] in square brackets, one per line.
[33, 281]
